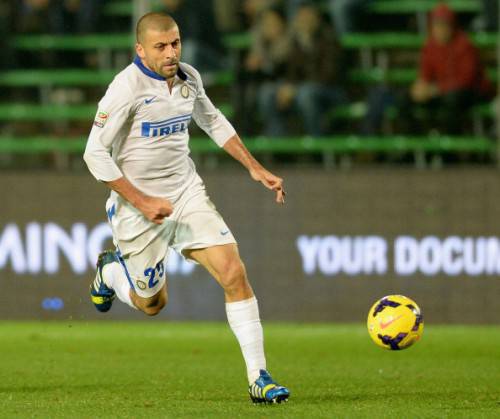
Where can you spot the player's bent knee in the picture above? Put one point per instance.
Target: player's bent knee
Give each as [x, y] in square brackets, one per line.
[152, 311]
[233, 275]
[153, 305]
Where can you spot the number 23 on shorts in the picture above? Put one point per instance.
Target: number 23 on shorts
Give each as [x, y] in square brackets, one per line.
[151, 274]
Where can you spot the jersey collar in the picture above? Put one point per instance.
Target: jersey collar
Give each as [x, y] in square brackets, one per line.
[154, 75]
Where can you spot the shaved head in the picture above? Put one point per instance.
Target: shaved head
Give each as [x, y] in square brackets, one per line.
[160, 22]
[159, 44]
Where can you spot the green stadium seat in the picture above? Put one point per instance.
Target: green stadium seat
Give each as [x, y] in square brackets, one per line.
[350, 111]
[395, 75]
[84, 77]
[405, 40]
[37, 112]
[125, 7]
[59, 77]
[113, 41]
[58, 113]
[110, 41]
[236, 41]
[118, 8]
[77, 77]
[485, 110]
[417, 6]
[292, 145]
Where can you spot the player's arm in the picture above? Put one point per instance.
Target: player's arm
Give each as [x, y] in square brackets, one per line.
[114, 110]
[235, 147]
[154, 209]
[220, 130]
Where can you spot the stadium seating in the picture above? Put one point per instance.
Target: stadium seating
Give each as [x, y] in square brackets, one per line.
[417, 6]
[58, 77]
[370, 46]
[58, 113]
[291, 145]
[83, 77]
[394, 75]
[116, 41]
[406, 40]
[124, 7]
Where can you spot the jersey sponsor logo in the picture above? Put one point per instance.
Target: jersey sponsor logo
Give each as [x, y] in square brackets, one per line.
[101, 119]
[167, 127]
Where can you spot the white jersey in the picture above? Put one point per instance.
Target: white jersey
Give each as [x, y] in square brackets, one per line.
[141, 130]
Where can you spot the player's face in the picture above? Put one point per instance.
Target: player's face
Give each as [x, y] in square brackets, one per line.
[161, 51]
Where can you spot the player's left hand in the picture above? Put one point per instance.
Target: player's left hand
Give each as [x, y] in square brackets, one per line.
[270, 181]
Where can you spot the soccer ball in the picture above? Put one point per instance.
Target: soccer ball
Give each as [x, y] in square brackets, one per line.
[395, 322]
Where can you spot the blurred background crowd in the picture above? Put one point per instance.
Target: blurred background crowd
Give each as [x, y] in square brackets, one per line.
[277, 68]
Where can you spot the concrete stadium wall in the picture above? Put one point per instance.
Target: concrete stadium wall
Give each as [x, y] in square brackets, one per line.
[342, 240]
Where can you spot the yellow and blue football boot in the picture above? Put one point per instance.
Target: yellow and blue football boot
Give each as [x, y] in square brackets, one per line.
[266, 390]
[101, 295]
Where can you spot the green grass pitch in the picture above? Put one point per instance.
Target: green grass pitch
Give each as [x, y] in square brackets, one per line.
[176, 370]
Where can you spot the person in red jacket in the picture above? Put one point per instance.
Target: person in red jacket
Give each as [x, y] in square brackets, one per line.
[451, 76]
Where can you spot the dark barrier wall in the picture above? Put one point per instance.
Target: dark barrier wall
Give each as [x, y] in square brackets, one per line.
[341, 241]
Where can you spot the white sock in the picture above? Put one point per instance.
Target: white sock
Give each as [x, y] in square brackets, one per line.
[114, 276]
[243, 318]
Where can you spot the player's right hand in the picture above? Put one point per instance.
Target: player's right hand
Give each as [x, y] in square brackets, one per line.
[155, 209]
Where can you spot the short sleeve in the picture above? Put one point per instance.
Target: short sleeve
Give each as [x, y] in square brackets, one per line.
[209, 118]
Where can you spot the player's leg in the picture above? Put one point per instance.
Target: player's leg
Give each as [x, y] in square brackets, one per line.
[110, 281]
[150, 305]
[225, 265]
[136, 273]
[114, 278]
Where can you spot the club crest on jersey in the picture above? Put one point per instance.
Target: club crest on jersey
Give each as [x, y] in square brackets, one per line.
[167, 127]
[185, 91]
[101, 118]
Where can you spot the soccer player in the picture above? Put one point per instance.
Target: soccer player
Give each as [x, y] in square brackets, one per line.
[138, 147]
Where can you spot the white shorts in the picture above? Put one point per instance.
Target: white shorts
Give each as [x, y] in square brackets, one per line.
[142, 246]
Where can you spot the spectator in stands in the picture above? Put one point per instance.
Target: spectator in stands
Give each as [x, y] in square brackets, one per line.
[312, 79]
[265, 63]
[30, 17]
[451, 80]
[252, 9]
[451, 76]
[201, 41]
[75, 16]
[58, 16]
[33, 16]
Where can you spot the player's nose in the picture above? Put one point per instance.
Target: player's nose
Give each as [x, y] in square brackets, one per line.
[170, 52]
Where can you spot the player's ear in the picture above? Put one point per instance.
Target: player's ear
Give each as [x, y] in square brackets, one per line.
[139, 49]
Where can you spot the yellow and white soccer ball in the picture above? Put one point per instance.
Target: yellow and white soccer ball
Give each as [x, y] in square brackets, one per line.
[395, 322]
